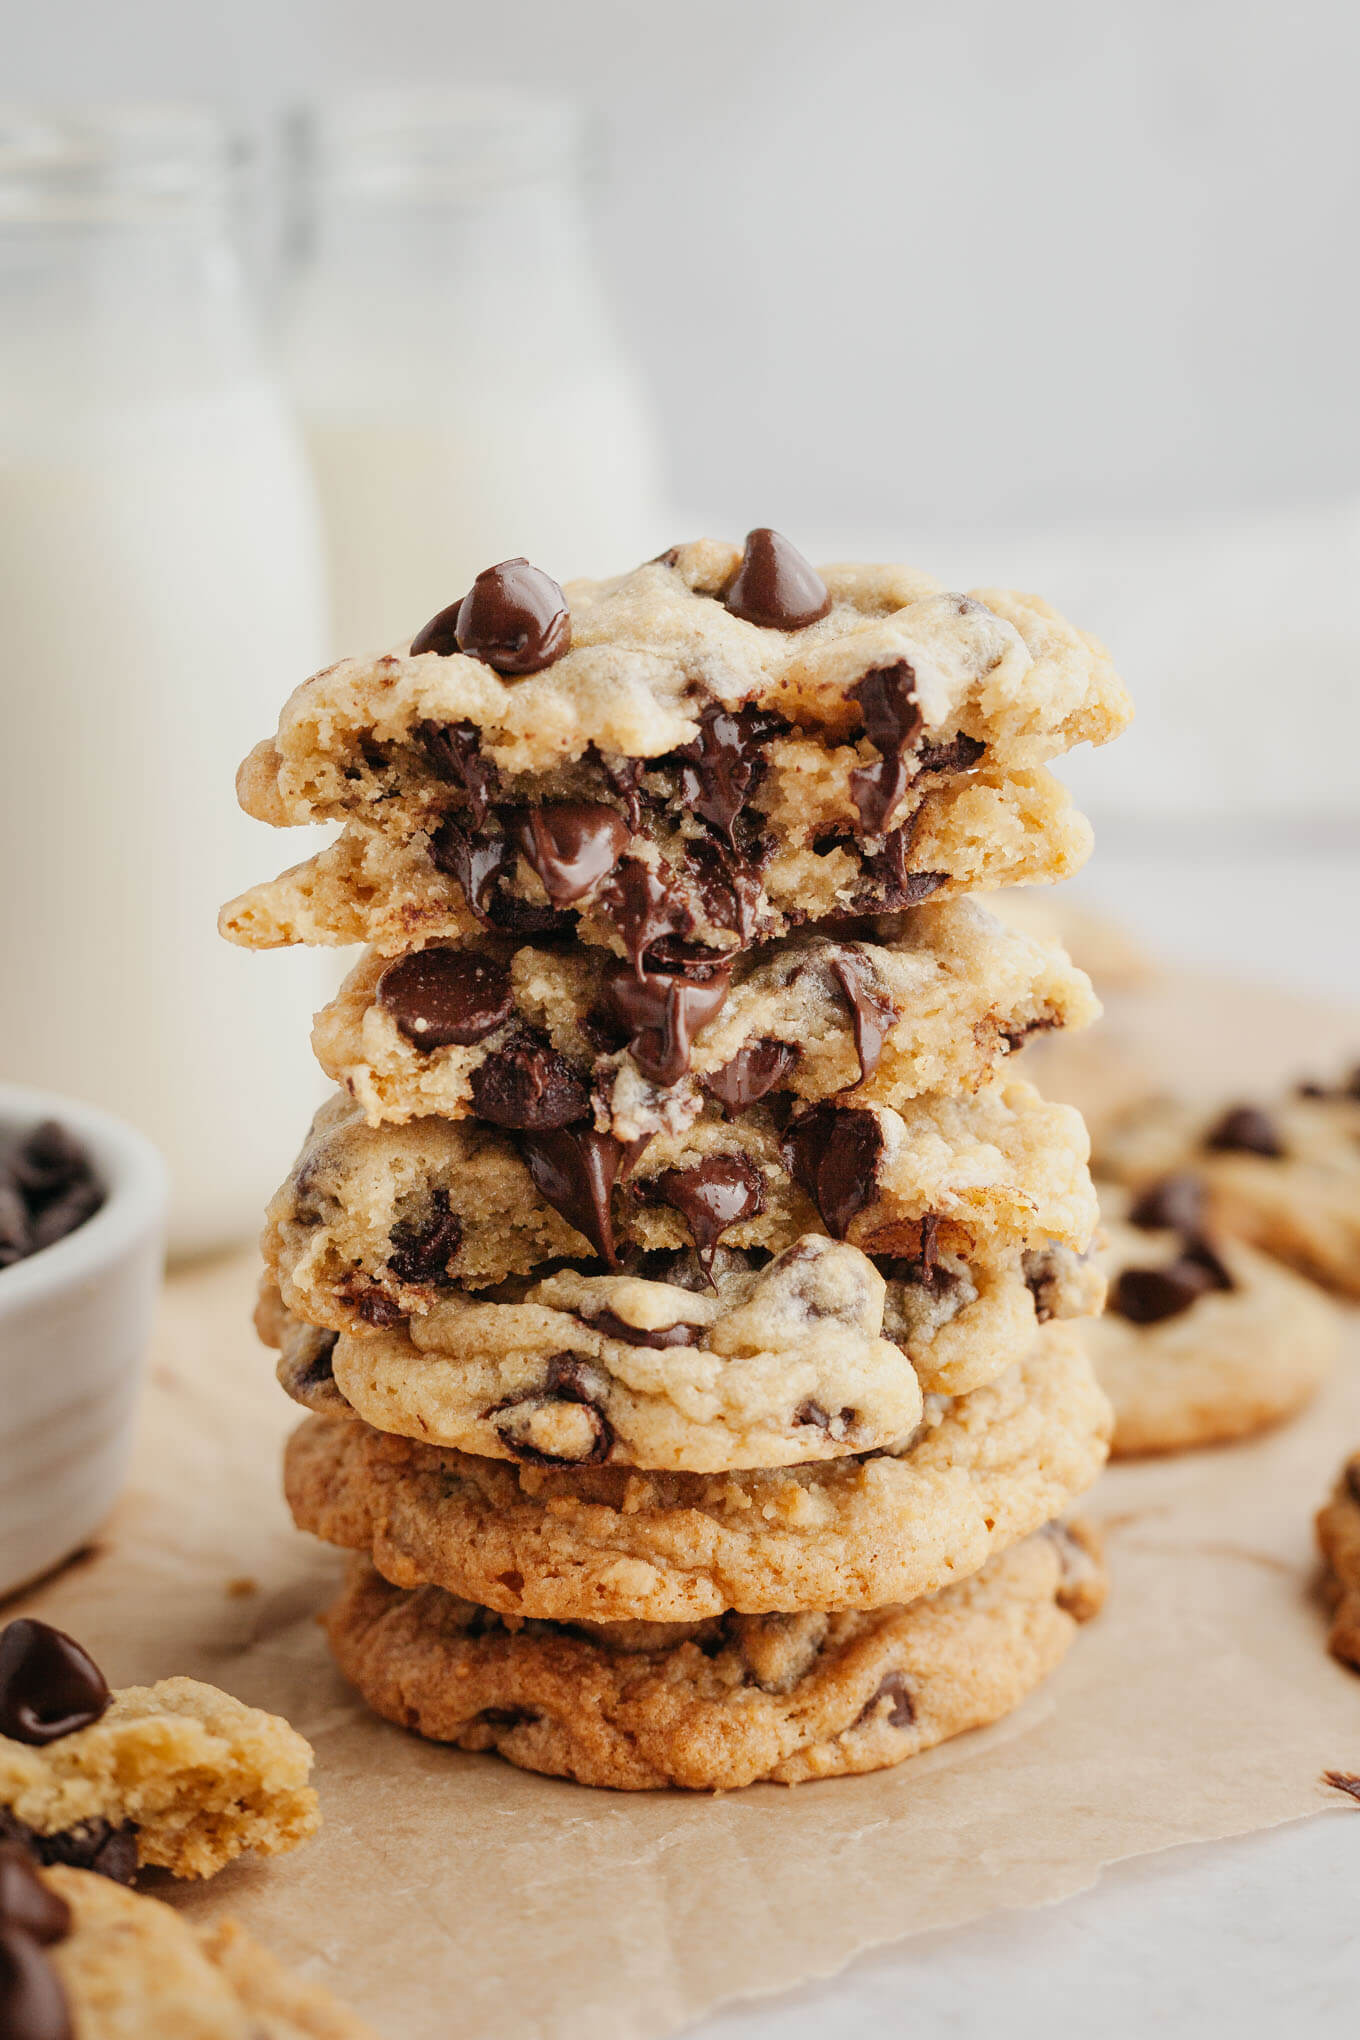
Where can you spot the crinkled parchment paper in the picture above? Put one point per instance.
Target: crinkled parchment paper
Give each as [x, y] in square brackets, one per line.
[452, 1894]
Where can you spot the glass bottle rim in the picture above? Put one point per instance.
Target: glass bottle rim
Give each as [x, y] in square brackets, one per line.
[117, 162]
[449, 143]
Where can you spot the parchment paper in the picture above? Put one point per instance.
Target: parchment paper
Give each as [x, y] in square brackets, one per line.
[452, 1894]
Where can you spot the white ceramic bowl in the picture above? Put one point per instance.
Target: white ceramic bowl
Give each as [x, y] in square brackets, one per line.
[74, 1324]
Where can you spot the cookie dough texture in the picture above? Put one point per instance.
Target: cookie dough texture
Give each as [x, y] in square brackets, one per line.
[999, 1170]
[1235, 1362]
[952, 989]
[132, 1969]
[721, 1704]
[1338, 1531]
[201, 1777]
[1302, 1206]
[608, 1544]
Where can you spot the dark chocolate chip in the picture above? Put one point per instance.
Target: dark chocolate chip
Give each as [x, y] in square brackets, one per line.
[871, 1010]
[528, 1086]
[505, 1717]
[455, 752]
[902, 1713]
[812, 1413]
[575, 1168]
[26, 1904]
[624, 776]
[1198, 1252]
[66, 1213]
[611, 1326]
[729, 883]
[718, 1193]
[892, 719]
[1245, 1129]
[1146, 1296]
[721, 769]
[774, 585]
[569, 1379]
[49, 1686]
[645, 906]
[662, 1012]
[1175, 1203]
[514, 618]
[958, 754]
[753, 1071]
[32, 2002]
[480, 863]
[48, 1161]
[572, 845]
[446, 998]
[320, 1367]
[372, 1305]
[833, 1152]
[887, 884]
[421, 1253]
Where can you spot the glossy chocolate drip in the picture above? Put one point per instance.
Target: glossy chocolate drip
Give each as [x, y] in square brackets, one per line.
[528, 1087]
[611, 1326]
[663, 1011]
[49, 1686]
[645, 906]
[446, 998]
[572, 845]
[624, 775]
[832, 1153]
[718, 1193]
[513, 618]
[421, 1252]
[892, 719]
[872, 1013]
[454, 750]
[752, 1072]
[575, 1168]
[480, 864]
[721, 769]
[728, 883]
[774, 585]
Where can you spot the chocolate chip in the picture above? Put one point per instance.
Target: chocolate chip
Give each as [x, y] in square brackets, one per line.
[48, 1162]
[833, 1152]
[514, 618]
[32, 2002]
[49, 1686]
[729, 883]
[1245, 1129]
[480, 864]
[1147, 1296]
[26, 1904]
[568, 1379]
[610, 1326]
[813, 1414]
[893, 1687]
[752, 1072]
[624, 775]
[888, 885]
[319, 1369]
[446, 998]
[572, 845]
[528, 1086]
[1174, 1203]
[455, 752]
[1016, 1037]
[663, 1011]
[421, 1252]
[645, 906]
[774, 585]
[721, 769]
[958, 754]
[892, 718]
[921, 1270]
[48, 1188]
[505, 1717]
[871, 1010]
[718, 1193]
[1198, 1252]
[575, 1168]
[372, 1305]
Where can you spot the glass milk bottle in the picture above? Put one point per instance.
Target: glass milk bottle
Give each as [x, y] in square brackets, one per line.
[463, 393]
[161, 591]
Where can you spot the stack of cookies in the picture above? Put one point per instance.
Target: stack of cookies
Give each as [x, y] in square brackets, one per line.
[679, 1278]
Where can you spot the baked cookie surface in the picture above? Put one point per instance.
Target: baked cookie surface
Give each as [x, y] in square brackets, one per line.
[1338, 1533]
[720, 1704]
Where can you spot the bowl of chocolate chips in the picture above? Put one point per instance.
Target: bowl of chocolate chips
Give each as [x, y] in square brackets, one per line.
[82, 1216]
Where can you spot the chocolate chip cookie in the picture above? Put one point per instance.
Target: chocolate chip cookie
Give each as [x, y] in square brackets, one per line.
[1284, 1176]
[1203, 1339]
[611, 1544]
[177, 1775]
[715, 1705]
[1338, 1531]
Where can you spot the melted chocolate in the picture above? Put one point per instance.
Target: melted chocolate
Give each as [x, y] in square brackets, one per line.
[421, 1253]
[572, 845]
[514, 618]
[872, 1013]
[663, 1012]
[728, 883]
[32, 2002]
[889, 885]
[624, 775]
[1245, 1129]
[611, 1326]
[575, 1168]
[440, 634]
[832, 1152]
[568, 1379]
[721, 769]
[891, 720]
[443, 998]
[645, 906]
[774, 585]
[752, 1072]
[26, 1904]
[528, 1086]
[480, 864]
[49, 1686]
[454, 751]
[718, 1193]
